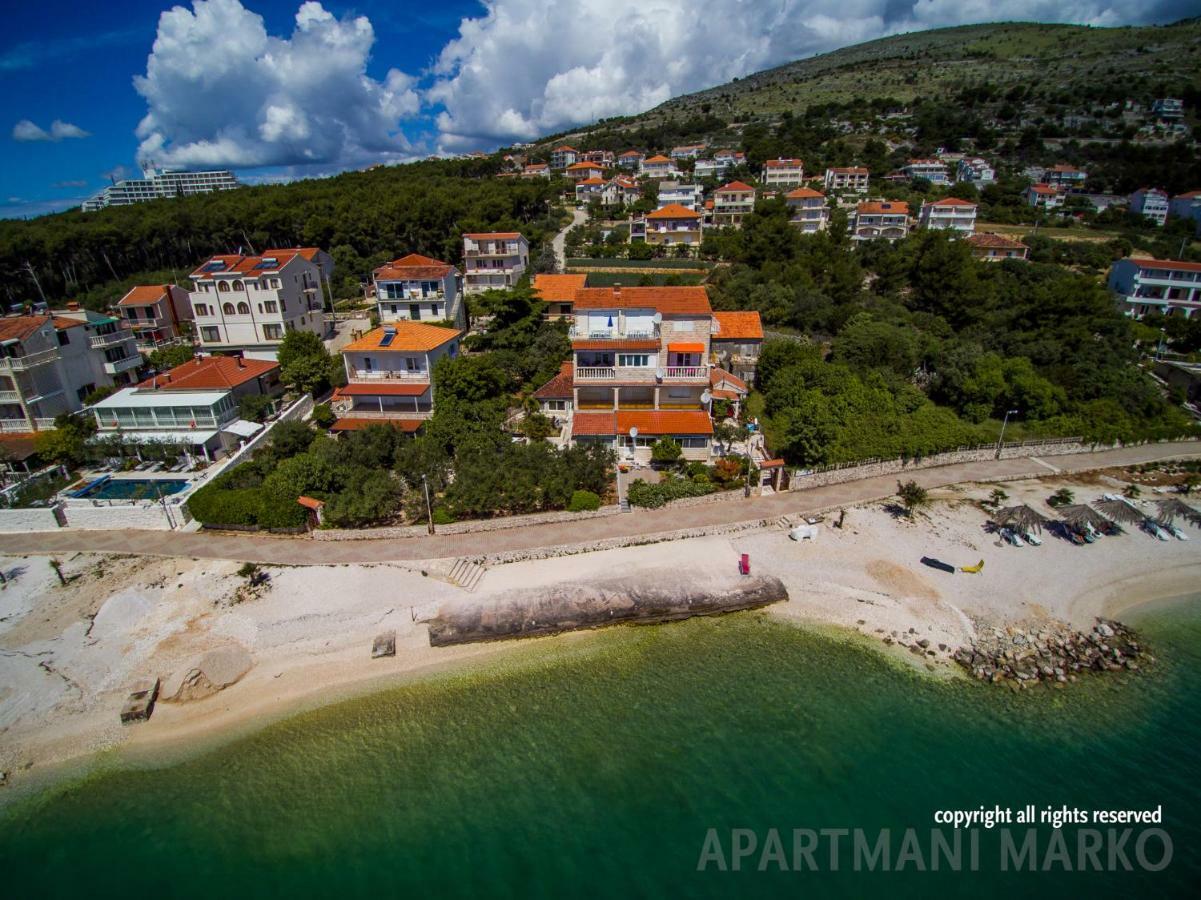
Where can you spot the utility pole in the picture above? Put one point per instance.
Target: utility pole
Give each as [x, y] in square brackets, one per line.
[1001, 439]
[429, 510]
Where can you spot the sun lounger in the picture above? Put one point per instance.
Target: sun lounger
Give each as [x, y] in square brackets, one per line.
[1032, 539]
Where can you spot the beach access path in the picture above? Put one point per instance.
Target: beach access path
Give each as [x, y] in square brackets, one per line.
[301, 551]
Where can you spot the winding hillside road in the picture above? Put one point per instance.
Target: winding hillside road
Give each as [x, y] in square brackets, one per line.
[306, 551]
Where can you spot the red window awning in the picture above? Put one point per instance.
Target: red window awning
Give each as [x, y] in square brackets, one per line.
[686, 348]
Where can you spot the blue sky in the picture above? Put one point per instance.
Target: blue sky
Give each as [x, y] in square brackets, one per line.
[288, 88]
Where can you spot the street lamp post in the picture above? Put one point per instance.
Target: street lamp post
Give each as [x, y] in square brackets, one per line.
[1001, 439]
[429, 510]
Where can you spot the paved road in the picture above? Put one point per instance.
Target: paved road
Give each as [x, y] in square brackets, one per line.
[305, 551]
[559, 242]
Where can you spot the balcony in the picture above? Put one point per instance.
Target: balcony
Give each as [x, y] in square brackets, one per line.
[395, 412]
[687, 373]
[481, 253]
[104, 341]
[10, 396]
[640, 373]
[28, 361]
[150, 324]
[595, 373]
[118, 366]
[384, 375]
[579, 334]
[19, 426]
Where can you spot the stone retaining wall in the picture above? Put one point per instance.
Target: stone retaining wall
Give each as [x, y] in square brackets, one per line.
[42, 519]
[469, 527]
[150, 516]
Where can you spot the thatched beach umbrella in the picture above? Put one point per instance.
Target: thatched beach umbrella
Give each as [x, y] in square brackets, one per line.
[1170, 508]
[1121, 511]
[1026, 518]
[1081, 517]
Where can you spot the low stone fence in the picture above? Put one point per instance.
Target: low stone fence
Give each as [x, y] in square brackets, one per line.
[469, 527]
[41, 519]
[148, 515]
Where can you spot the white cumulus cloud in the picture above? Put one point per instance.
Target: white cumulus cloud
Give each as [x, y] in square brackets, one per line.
[26, 130]
[526, 68]
[221, 91]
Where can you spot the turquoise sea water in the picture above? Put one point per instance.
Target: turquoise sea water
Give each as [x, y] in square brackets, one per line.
[595, 766]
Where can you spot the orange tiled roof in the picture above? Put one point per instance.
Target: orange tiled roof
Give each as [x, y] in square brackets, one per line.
[254, 266]
[558, 288]
[665, 421]
[997, 241]
[581, 166]
[617, 345]
[667, 300]
[414, 266]
[1148, 263]
[804, 194]
[62, 323]
[657, 159]
[17, 328]
[352, 424]
[783, 163]
[673, 211]
[849, 170]
[950, 201]
[565, 148]
[630, 153]
[560, 386]
[735, 186]
[144, 295]
[886, 207]
[411, 337]
[1042, 189]
[382, 389]
[209, 373]
[594, 180]
[20, 445]
[717, 376]
[738, 326]
[494, 236]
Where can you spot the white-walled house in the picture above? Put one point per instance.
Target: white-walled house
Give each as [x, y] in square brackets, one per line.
[1187, 206]
[949, 213]
[157, 314]
[562, 157]
[783, 173]
[852, 179]
[631, 160]
[933, 170]
[247, 304]
[659, 167]
[494, 260]
[732, 203]
[1170, 287]
[975, 170]
[808, 210]
[416, 287]
[389, 375]
[888, 219]
[1152, 203]
[1043, 196]
[996, 247]
[690, 196]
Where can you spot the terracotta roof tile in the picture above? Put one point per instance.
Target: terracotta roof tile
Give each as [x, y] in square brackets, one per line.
[560, 386]
[615, 345]
[383, 389]
[738, 325]
[884, 207]
[592, 423]
[950, 201]
[17, 328]
[558, 288]
[804, 194]
[144, 295]
[411, 337]
[997, 241]
[352, 424]
[1177, 265]
[740, 186]
[667, 300]
[717, 376]
[208, 373]
[494, 236]
[253, 266]
[660, 421]
[657, 159]
[673, 211]
[414, 267]
[783, 164]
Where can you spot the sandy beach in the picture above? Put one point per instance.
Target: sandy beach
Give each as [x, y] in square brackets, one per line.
[69, 653]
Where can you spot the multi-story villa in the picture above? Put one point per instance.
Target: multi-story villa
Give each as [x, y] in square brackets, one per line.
[690, 196]
[555, 398]
[590, 189]
[159, 315]
[949, 213]
[996, 247]
[974, 170]
[1152, 203]
[389, 375]
[808, 209]
[558, 292]
[669, 225]
[933, 170]
[1064, 176]
[783, 173]
[1164, 286]
[732, 203]
[621, 190]
[631, 159]
[584, 170]
[50, 363]
[659, 167]
[1168, 109]
[709, 168]
[640, 369]
[247, 304]
[536, 170]
[600, 157]
[416, 287]
[847, 178]
[194, 405]
[562, 157]
[494, 261]
[888, 219]
[687, 151]
[731, 158]
[1043, 196]
[736, 341]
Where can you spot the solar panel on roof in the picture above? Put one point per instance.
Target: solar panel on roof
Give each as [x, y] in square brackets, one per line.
[215, 265]
[268, 263]
[388, 338]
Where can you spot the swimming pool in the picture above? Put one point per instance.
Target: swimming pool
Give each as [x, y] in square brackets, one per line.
[109, 488]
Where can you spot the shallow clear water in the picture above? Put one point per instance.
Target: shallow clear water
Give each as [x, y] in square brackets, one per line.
[133, 488]
[594, 766]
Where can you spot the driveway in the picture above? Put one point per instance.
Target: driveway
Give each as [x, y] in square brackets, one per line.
[559, 242]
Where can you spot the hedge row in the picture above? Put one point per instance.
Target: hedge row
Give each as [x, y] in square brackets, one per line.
[215, 506]
[655, 495]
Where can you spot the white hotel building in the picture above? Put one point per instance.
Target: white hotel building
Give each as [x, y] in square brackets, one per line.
[1164, 286]
[246, 304]
[160, 183]
[494, 261]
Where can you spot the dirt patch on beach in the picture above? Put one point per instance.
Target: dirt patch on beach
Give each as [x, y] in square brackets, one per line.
[898, 580]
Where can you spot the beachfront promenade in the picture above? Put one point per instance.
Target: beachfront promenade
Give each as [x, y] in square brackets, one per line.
[305, 551]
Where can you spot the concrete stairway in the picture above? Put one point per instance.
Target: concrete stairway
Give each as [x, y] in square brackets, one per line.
[466, 574]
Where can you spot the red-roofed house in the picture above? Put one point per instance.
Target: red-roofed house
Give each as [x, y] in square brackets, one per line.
[536, 170]
[887, 219]
[640, 358]
[1166, 286]
[562, 157]
[631, 159]
[659, 167]
[732, 203]
[783, 172]
[584, 170]
[956, 215]
[808, 208]
[590, 189]
[155, 313]
[556, 396]
[389, 372]
[494, 260]
[729, 387]
[736, 341]
[669, 225]
[932, 170]
[558, 291]
[248, 303]
[847, 178]
[1043, 196]
[996, 247]
[417, 288]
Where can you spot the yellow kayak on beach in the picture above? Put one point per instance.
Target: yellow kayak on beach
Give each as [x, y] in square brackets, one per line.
[978, 567]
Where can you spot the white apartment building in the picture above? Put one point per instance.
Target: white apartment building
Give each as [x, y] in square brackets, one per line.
[50, 363]
[659, 167]
[1165, 286]
[783, 173]
[852, 179]
[247, 304]
[1152, 203]
[687, 151]
[933, 170]
[1168, 109]
[709, 168]
[1043, 196]
[494, 261]
[158, 315]
[732, 203]
[974, 170]
[808, 209]
[159, 183]
[956, 215]
[690, 196]
[389, 375]
[416, 287]
[564, 156]
[631, 159]
[887, 219]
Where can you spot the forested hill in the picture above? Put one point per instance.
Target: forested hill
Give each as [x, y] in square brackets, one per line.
[362, 218]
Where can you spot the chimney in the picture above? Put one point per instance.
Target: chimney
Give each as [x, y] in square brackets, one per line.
[241, 363]
[617, 290]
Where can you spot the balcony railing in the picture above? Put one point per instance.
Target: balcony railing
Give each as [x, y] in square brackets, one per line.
[117, 366]
[385, 375]
[640, 373]
[39, 423]
[28, 361]
[687, 372]
[10, 396]
[594, 373]
[101, 341]
[495, 251]
[395, 412]
[580, 334]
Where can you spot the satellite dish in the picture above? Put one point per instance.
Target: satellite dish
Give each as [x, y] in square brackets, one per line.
[657, 318]
[660, 374]
[633, 431]
[706, 397]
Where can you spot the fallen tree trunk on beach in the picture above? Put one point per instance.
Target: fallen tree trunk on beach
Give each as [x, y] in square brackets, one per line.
[573, 606]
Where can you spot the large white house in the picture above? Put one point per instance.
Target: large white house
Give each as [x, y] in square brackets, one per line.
[847, 178]
[950, 213]
[887, 219]
[494, 260]
[808, 210]
[1152, 203]
[1166, 286]
[690, 196]
[247, 304]
[783, 173]
[974, 170]
[158, 315]
[416, 287]
[933, 170]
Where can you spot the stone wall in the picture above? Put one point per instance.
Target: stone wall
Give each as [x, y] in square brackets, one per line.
[28, 520]
[149, 516]
[469, 527]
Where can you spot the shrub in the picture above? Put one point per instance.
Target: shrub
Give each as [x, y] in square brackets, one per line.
[215, 506]
[583, 501]
[653, 496]
[443, 516]
[1061, 497]
[666, 451]
[254, 407]
[323, 416]
[912, 496]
